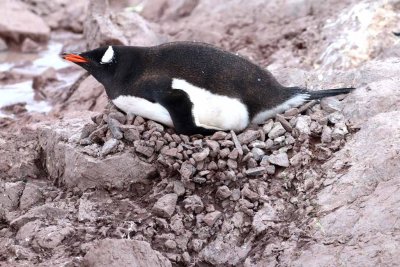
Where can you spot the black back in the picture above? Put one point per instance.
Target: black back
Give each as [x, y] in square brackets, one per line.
[200, 64]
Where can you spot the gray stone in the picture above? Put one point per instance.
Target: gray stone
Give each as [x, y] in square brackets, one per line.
[127, 28]
[120, 117]
[170, 244]
[165, 206]
[268, 126]
[219, 135]
[199, 180]
[270, 169]
[234, 154]
[27, 232]
[236, 141]
[179, 188]
[378, 97]
[109, 147]
[17, 23]
[232, 164]
[257, 153]
[335, 117]
[303, 125]
[87, 210]
[221, 252]
[153, 124]
[235, 194]
[145, 150]
[307, 106]
[10, 195]
[276, 131]
[269, 144]
[291, 112]
[214, 145]
[223, 153]
[285, 124]
[264, 218]
[246, 192]
[339, 131]
[31, 196]
[30, 46]
[115, 129]
[172, 152]
[258, 144]
[52, 236]
[279, 141]
[44, 212]
[280, 159]
[326, 136]
[331, 104]
[255, 171]
[124, 253]
[223, 192]
[248, 136]
[211, 218]
[226, 143]
[366, 169]
[200, 156]
[187, 170]
[221, 164]
[193, 204]
[116, 171]
[87, 130]
[212, 166]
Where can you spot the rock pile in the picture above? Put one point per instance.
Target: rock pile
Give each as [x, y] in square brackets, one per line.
[224, 156]
[213, 196]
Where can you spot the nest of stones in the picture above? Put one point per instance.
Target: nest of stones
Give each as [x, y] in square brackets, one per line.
[290, 140]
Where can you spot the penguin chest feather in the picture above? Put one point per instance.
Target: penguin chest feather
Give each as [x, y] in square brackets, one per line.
[212, 111]
[142, 107]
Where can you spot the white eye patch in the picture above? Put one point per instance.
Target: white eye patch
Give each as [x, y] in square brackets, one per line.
[108, 56]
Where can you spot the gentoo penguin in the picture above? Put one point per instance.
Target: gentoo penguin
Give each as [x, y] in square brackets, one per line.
[195, 87]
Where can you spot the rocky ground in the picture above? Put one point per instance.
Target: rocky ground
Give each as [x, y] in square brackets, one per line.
[85, 185]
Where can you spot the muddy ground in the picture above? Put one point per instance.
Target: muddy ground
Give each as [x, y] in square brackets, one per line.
[85, 185]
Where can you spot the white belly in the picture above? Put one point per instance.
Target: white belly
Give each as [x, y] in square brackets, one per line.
[213, 111]
[142, 107]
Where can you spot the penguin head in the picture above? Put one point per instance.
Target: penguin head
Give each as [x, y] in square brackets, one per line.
[101, 62]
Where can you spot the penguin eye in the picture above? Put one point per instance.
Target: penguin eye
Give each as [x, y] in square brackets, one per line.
[108, 56]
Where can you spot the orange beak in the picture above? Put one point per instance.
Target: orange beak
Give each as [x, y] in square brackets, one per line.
[75, 58]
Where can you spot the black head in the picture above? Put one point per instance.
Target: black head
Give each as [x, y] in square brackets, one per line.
[103, 63]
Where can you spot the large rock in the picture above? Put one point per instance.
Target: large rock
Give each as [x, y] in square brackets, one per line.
[165, 206]
[89, 95]
[358, 209]
[67, 162]
[60, 14]
[10, 194]
[17, 23]
[44, 212]
[377, 97]
[128, 28]
[157, 10]
[223, 253]
[124, 253]
[19, 154]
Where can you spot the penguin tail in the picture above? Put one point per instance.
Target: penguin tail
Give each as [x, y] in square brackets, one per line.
[312, 95]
